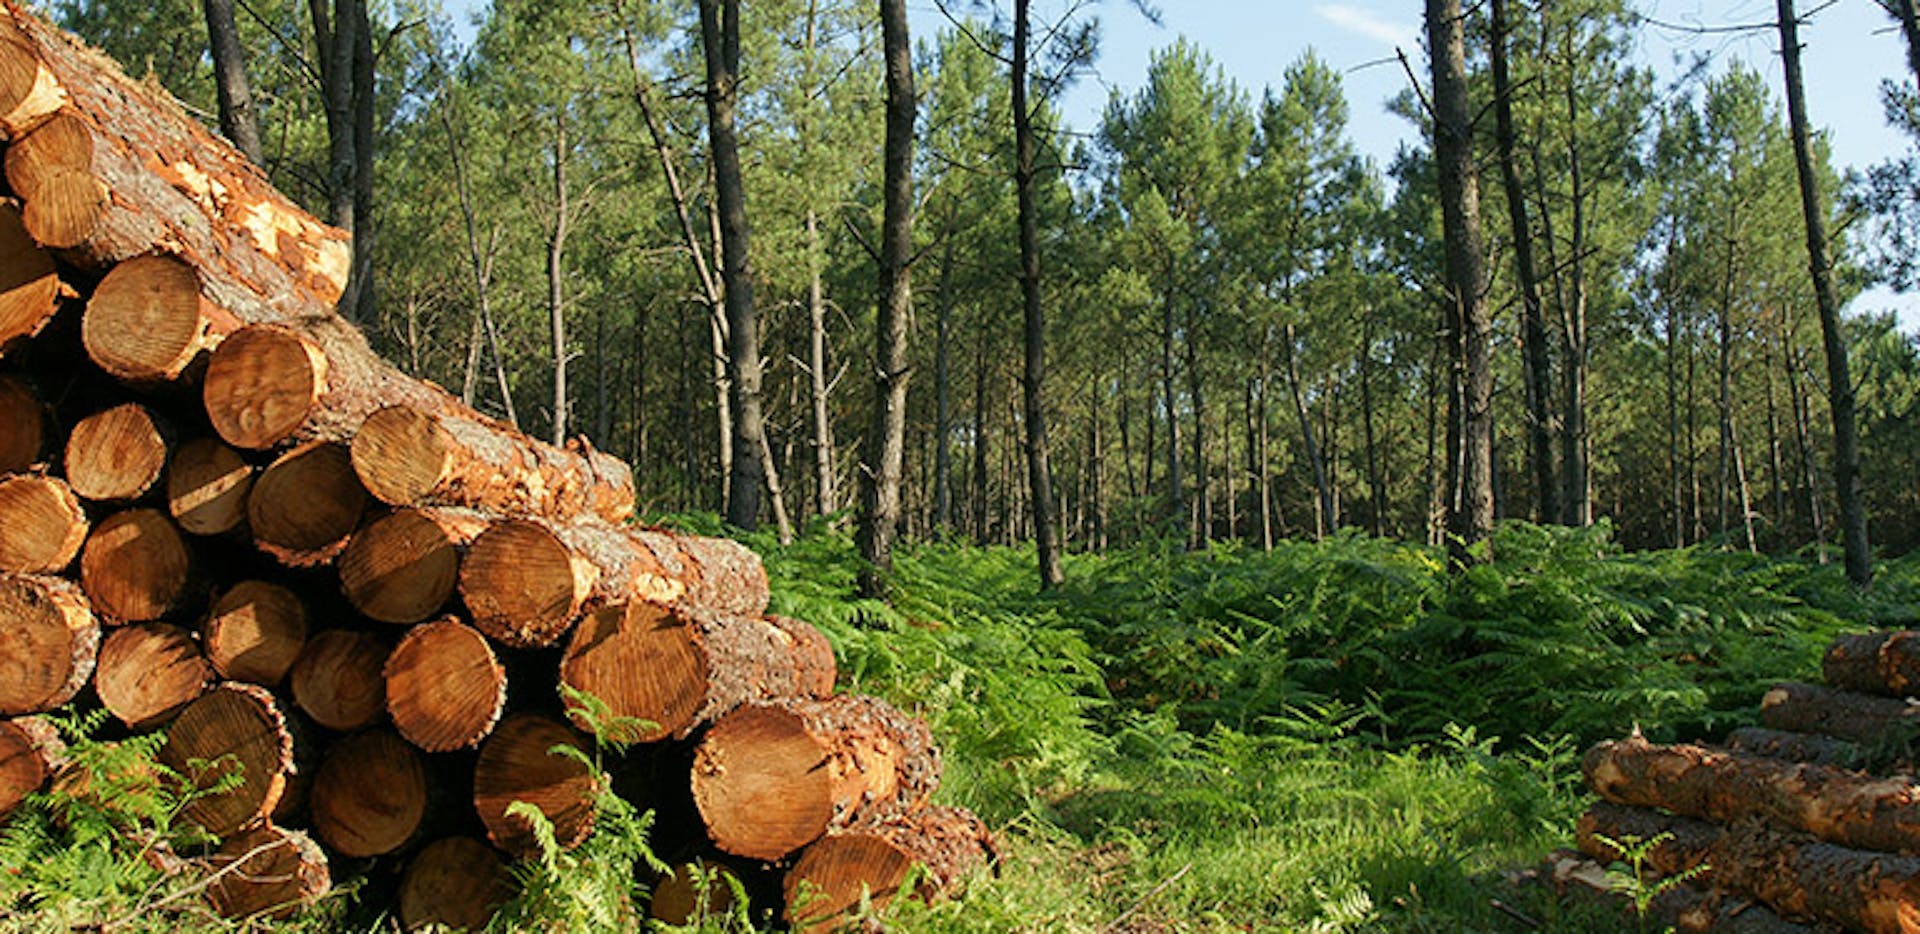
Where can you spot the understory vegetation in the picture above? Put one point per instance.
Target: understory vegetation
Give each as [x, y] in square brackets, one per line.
[1325, 737]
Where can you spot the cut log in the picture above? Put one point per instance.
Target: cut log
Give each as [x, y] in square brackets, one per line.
[403, 566]
[305, 505]
[408, 456]
[262, 384]
[1797, 876]
[370, 794]
[674, 669]
[31, 753]
[267, 872]
[694, 892]
[1836, 805]
[871, 861]
[527, 581]
[207, 487]
[147, 321]
[116, 455]
[30, 289]
[255, 632]
[337, 680]
[457, 883]
[149, 672]
[135, 567]
[23, 426]
[516, 764]
[41, 524]
[770, 779]
[234, 729]
[63, 141]
[48, 642]
[1874, 663]
[1859, 718]
[175, 184]
[445, 690]
[1681, 908]
[1796, 747]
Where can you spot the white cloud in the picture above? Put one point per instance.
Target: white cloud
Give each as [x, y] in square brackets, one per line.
[1358, 19]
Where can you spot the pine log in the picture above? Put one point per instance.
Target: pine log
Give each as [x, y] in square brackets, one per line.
[23, 426]
[255, 632]
[457, 883]
[262, 384]
[403, 566]
[675, 668]
[41, 524]
[527, 581]
[147, 321]
[694, 892]
[48, 642]
[369, 797]
[31, 753]
[445, 690]
[116, 455]
[1860, 718]
[234, 729]
[207, 487]
[148, 672]
[1796, 747]
[410, 456]
[30, 289]
[135, 567]
[175, 184]
[1874, 663]
[1680, 908]
[305, 505]
[516, 764]
[267, 872]
[337, 681]
[1797, 876]
[1836, 805]
[871, 861]
[770, 779]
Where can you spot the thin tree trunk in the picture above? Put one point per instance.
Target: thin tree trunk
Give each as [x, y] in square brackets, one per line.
[1199, 530]
[556, 276]
[1460, 213]
[238, 121]
[482, 276]
[1776, 465]
[1846, 440]
[979, 478]
[1264, 470]
[1577, 496]
[1803, 439]
[886, 439]
[827, 499]
[1323, 519]
[1376, 487]
[1903, 10]
[1176, 485]
[360, 285]
[943, 395]
[1039, 477]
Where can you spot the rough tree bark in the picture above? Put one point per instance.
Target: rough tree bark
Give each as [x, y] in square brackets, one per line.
[234, 91]
[886, 438]
[1034, 378]
[1846, 438]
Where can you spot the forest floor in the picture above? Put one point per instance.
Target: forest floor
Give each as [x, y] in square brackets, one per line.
[1325, 737]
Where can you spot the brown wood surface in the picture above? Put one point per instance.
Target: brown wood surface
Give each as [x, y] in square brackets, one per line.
[42, 525]
[457, 883]
[48, 645]
[116, 455]
[336, 680]
[403, 566]
[207, 487]
[445, 690]
[1847, 715]
[136, 567]
[516, 764]
[234, 729]
[1874, 663]
[148, 672]
[871, 861]
[31, 753]
[30, 288]
[369, 796]
[305, 505]
[23, 425]
[255, 632]
[266, 872]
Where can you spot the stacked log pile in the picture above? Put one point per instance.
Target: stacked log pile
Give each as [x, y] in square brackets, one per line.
[361, 611]
[1814, 815]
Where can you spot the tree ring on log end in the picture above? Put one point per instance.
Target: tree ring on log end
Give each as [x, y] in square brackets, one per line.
[761, 782]
[148, 672]
[30, 754]
[41, 524]
[522, 584]
[207, 486]
[255, 632]
[445, 689]
[370, 794]
[457, 883]
[337, 679]
[305, 505]
[146, 320]
[401, 455]
[29, 283]
[234, 726]
[135, 565]
[401, 567]
[641, 661]
[63, 207]
[516, 764]
[48, 642]
[261, 385]
[116, 455]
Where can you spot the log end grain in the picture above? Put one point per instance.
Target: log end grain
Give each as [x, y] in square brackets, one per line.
[48, 645]
[149, 672]
[516, 764]
[445, 690]
[369, 796]
[116, 455]
[135, 566]
[29, 284]
[305, 506]
[456, 883]
[63, 207]
[694, 892]
[31, 753]
[872, 861]
[267, 872]
[146, 321]
[207, 487]
[255, 632]
[262, 384]
[42, 525]
[337, 681]
[23, 426]
[402, 455]
[522, 583]
[403, 567]
[234, 729]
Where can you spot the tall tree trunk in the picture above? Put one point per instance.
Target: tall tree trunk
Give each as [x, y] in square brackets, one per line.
[1176, 484]
[1776, 459]
[238, 122]
[360, 284]
[1466, 275]
[482, 270]
[556, 276]
[1533, 332]
[943, 394]
[1846, 439]
[720, 38]
[979, 477]
[1263, 471]
[1803, 439]
[1577, 480]
[1376, 486]
[1200, 529]
[1674, 310]
[827, 500]
[886, 439]
[1323, 518]
[1039, 476]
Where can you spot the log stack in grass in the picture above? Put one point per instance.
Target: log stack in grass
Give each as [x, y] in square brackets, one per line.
[1814, 814]
[358, 615]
